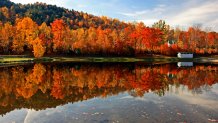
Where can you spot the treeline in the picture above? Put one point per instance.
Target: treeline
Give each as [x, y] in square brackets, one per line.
[50, 30]
[31, 86]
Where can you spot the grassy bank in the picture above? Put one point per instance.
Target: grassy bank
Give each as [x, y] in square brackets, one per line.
[17, 59]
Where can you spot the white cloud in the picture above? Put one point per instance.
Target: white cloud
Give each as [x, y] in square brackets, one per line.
[199, 14]
[159, 9]
[134, 14]
[184, 14]
[147, 16]
[148, 22]
[81, 6]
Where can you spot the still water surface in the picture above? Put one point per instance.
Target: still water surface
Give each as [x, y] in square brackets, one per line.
[108, 93]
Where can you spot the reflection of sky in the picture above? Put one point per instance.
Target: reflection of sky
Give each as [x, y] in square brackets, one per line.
[16, 116]
[177, 105]
[207, 97]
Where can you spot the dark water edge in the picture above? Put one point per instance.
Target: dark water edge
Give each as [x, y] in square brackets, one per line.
[108, 92]
[13, 61]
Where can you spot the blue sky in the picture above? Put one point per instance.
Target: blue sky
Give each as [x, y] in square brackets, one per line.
[176, 12]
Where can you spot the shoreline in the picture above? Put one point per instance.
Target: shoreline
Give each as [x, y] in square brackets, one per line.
[17, 59]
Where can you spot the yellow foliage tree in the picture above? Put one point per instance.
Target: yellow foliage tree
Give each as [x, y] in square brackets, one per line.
[38, 48]
[26, 32]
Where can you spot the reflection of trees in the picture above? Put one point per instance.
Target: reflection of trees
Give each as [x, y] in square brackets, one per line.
[43, 86]
[30, 81]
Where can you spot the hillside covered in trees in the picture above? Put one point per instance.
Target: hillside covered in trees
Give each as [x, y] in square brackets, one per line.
[44, 30]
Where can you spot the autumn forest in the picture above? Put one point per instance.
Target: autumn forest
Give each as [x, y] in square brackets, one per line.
[43, 30]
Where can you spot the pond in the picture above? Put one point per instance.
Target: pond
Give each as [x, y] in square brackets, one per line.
[108, 93]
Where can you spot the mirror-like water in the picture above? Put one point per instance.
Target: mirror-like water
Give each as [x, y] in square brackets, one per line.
[53, 93]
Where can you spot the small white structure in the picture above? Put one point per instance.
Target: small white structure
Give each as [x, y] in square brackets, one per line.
[185, 55]
[185, 64]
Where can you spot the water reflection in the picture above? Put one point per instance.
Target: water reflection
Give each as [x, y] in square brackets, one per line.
[44, 86]
[185, 64]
